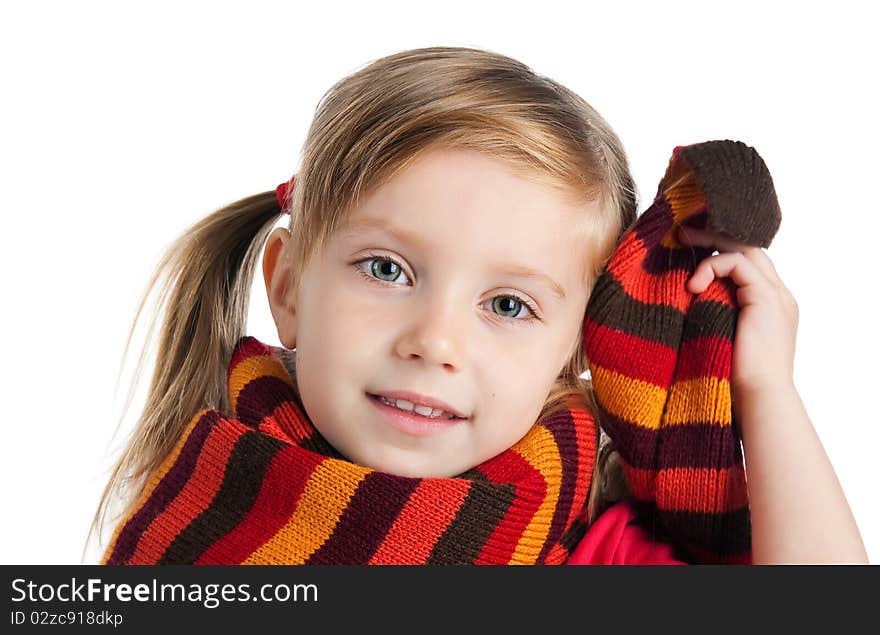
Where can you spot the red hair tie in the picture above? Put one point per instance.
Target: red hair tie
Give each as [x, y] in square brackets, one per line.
[281, 194]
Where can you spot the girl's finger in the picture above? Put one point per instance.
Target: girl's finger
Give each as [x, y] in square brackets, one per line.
[742, 271]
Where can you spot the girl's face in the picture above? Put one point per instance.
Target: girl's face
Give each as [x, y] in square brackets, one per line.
[457, 285]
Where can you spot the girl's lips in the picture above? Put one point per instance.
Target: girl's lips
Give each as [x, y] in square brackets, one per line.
[412, 422]
[416, 398]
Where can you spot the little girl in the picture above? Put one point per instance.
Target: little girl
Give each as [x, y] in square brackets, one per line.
[450, 218]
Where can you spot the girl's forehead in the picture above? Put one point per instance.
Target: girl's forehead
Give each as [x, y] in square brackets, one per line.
[466, 174]
[462, 201]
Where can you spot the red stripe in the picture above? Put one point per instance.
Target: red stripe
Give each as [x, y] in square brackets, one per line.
[720, 290]
[280, 491]
[196, 496]
[288, 423]
[690, 489]
[642, 484]
[704, 490]
[505, 468]
[615, 351]
[705, 357]
[414, 532]
[640, 284]
[557, 554]
[585, 429]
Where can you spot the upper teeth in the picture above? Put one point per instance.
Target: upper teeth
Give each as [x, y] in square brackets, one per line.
[409, 406]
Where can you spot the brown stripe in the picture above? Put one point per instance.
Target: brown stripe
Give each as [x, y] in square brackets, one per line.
[697, 444]
[366, 520]
[260, 397]
[573, 535]
[709, 319]
[657, 322]
[635, 443]
[612, 306]
[241, 483]
[485, 506]
[726, 534]
[473, 474]
[653, 224]
[561, 426]
[749, 214]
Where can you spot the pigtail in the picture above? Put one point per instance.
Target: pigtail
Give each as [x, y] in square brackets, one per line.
[207, 275]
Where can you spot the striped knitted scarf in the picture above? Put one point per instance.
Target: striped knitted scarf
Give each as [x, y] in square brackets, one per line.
[263, 487]
[660, 357]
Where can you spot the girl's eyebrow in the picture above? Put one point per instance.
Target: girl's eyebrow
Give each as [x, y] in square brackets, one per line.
[518, 271]
[357, 227]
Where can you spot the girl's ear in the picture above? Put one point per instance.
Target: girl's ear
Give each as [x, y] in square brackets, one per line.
[278, 275]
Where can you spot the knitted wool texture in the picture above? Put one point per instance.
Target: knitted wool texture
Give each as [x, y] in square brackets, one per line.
[263, 487]
[660, 356]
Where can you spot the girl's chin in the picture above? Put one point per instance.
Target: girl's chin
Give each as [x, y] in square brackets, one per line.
[408, 465]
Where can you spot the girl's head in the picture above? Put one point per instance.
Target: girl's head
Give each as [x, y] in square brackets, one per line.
[444, 194]
[449, 219]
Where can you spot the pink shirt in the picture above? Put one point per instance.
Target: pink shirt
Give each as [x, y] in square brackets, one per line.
[615, 538]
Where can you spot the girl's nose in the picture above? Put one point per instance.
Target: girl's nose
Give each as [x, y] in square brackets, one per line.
[434, 335]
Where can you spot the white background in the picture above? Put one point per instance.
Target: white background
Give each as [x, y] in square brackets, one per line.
[122, 124]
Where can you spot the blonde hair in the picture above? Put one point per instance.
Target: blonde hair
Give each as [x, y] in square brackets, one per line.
[367, 127]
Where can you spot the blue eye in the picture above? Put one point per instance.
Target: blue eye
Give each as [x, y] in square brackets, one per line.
[385, 270]
[508, 306]
[381, 268]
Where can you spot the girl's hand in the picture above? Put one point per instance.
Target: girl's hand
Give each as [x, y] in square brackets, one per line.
[763, 350]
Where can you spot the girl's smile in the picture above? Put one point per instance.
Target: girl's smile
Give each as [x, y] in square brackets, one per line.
[423, 405]
[411, 422]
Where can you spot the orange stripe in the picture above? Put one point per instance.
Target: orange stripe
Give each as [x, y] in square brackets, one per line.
[195, 496]
[642, 285]
[415, 532]
[326, 495]
[539, 450]
[251, 368]
[703, 400]
[638, 402]
[682, 191]
[643, 404]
